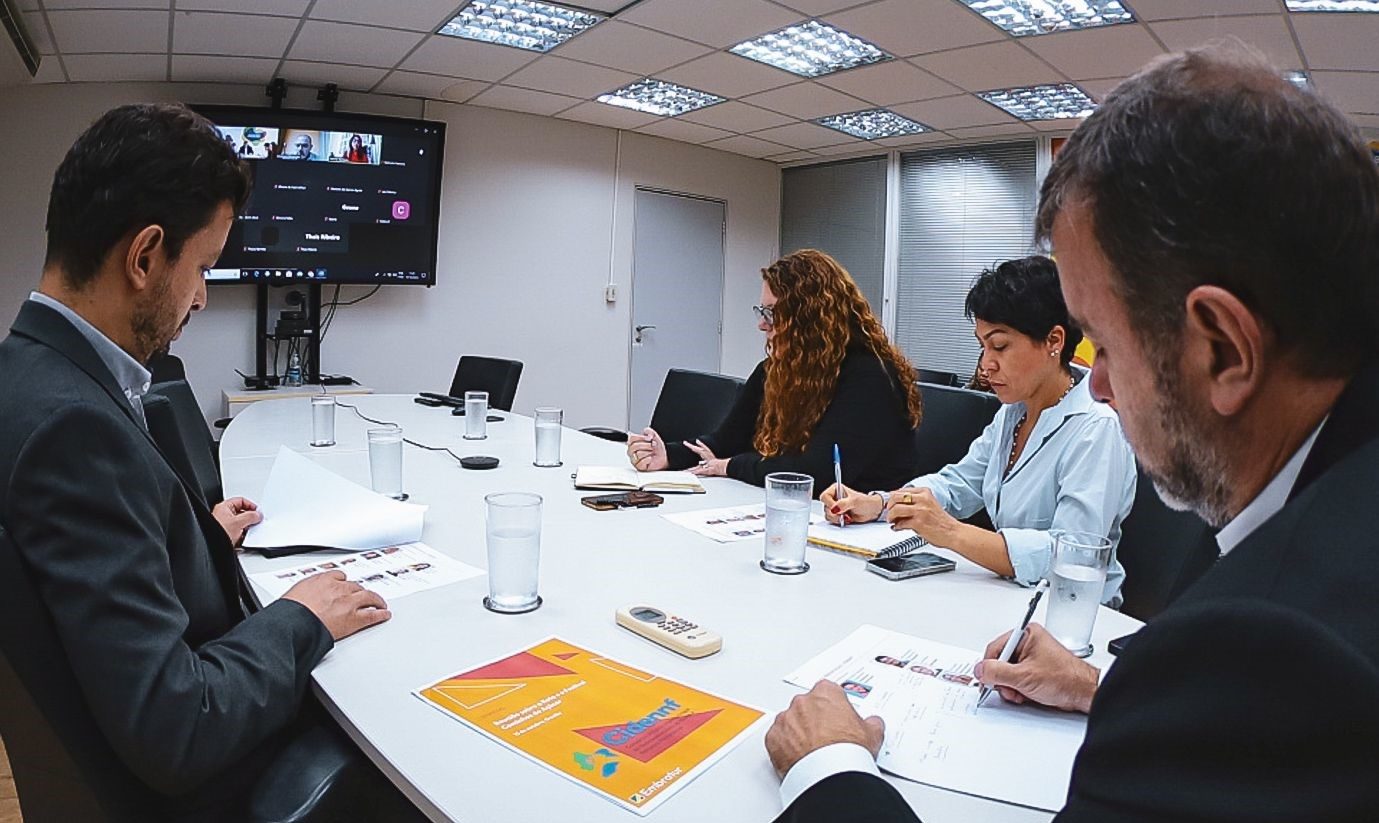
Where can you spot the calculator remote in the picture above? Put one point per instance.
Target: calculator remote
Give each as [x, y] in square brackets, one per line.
[675, 633]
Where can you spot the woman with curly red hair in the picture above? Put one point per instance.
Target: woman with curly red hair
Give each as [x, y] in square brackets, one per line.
[830, 376]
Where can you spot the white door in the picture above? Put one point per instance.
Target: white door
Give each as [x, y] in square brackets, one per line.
[677, 293]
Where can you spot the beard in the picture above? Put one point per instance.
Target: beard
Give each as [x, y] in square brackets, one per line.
[1192, 474]
[154, 323]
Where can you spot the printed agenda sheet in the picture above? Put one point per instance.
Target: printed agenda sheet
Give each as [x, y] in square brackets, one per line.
[392, 571]
[628, 735]
[730, 523]
[935, 734]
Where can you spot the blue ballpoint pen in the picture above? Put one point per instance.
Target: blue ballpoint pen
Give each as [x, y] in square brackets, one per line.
[838, 481]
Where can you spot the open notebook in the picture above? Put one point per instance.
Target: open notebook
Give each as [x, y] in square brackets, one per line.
[626, 478]
[869, 540]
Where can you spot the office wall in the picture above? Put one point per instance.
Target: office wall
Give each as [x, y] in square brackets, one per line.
[536, 218]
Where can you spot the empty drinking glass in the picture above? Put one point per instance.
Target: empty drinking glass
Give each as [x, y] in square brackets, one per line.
[475, 415]
[1078, 578]
[548, 422]
[385, 461]
[323, 420]
[788, 496]
[512, 524]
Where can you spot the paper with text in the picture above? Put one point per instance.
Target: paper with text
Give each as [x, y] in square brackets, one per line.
[392, 571]
[729, 523]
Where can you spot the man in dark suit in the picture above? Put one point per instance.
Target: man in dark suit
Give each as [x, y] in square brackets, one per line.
[189, 691]
[1217, 235]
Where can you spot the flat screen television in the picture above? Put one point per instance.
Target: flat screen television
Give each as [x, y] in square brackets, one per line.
[338, 198]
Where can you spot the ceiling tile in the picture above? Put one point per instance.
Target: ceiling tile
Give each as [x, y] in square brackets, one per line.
[814, 8]
[998, 130]
[282, 8]
[613, 117]
[1356, 92]
[859, 148]
[806, 100]
[1367, 121]
[556, 74]
[356, 45]
[357, 78]
[735, 116]
[894, 81]
[605, 6]
[107, 4]
[37, 31]
[718, 23]
[750, 146]
[97, 31]
[912, 140]
[532, 102]
[630, 48]
[793, 156]
[1330, 41]
[416, 15]
[990, 66]
[1099, 88]
[431, 86]
[1268, 33]
[686, 132]
[803, 136]
[210, 69]
[954, 112]
[239, 35]
[49, 71]
[909, 27]
[26, 5]
[467, 58]
[727, 75]
[109, 68]
[1101, 52]
[1172, 9]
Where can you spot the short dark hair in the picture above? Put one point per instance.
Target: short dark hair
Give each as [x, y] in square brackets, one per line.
[1210, 168]
[137, 166]
[1024, 295]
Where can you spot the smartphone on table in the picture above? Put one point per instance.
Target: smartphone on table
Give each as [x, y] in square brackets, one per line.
[910, 565]
[622, 500]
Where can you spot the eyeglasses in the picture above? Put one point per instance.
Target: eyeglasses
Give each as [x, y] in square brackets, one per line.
[767, 313]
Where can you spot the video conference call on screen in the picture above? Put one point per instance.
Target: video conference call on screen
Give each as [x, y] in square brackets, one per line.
[336, 200]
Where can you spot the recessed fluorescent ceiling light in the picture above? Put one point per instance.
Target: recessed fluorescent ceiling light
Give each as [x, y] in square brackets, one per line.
[1333, 5]
[810, 49]
[1057, 102]
[1297, 78]
[519, 23]
[1025, 17]
[659, 97]
[872, 124]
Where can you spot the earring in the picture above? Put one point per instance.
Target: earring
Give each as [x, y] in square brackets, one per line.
[1053, 353]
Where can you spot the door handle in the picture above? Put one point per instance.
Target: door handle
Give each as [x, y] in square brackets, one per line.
[638, 332]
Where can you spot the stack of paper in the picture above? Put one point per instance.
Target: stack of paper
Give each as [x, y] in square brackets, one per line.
[304, 504]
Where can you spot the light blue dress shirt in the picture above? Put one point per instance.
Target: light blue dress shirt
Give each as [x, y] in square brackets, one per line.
[1077, 473]
[130, 375]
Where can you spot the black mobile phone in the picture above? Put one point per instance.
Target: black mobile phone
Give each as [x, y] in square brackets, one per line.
[910, 565]
[427, 401]
[458, 411]
[1118, 645]
[622, 500]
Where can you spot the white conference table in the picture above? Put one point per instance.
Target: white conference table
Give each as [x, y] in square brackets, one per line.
[592, 563]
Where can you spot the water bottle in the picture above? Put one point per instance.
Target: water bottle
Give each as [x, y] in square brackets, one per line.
[294, 370]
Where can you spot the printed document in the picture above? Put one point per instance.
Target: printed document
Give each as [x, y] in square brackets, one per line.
[392, 571]
[935, 734]
[730, 523]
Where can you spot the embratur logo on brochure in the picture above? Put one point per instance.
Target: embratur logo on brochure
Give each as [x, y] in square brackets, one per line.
[602, 760]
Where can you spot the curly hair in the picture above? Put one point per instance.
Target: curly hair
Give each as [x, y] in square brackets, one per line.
[819, 313]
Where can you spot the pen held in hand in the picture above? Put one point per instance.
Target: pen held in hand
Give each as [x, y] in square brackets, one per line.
[1013, 641]
[838, 482]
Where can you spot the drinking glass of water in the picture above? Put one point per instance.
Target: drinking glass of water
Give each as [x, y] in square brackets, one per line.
[788, 496]
[323, 420]
[512, 523]
[1078, 578]
[475, 415]
[385, 461]
[548, 422]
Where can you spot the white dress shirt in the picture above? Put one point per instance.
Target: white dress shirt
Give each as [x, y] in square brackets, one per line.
[1267, 503]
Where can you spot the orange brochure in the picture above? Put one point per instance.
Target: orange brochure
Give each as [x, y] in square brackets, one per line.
[630, 736]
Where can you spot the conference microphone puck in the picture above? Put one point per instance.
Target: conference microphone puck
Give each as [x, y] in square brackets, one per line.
[479, 461]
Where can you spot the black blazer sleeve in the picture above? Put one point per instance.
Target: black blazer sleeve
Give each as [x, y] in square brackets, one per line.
[734, 435]
[87, 512]
[1233, 710]
[859, 418]
[849, 797]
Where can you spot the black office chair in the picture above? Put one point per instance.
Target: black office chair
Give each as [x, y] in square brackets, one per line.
[494, 375]
[176, 425]
[691, 404]
[1163, 552]
[166, 366]
[953, 418]
[937, 378]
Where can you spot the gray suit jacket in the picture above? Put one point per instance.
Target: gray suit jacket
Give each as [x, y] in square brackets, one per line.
[140, 585]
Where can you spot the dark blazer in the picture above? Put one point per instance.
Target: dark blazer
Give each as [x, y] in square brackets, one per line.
[140, 584]
[1251, 698]
[867, 418]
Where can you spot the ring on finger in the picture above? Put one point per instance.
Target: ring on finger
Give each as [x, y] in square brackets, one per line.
[907, 499]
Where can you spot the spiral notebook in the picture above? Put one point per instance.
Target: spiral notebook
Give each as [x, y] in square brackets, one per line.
[869, 540]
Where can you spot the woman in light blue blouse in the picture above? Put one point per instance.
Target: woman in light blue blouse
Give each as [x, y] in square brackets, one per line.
[1052, 459]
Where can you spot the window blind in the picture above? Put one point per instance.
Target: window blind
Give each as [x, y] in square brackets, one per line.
[839, 208]
[962, 209]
